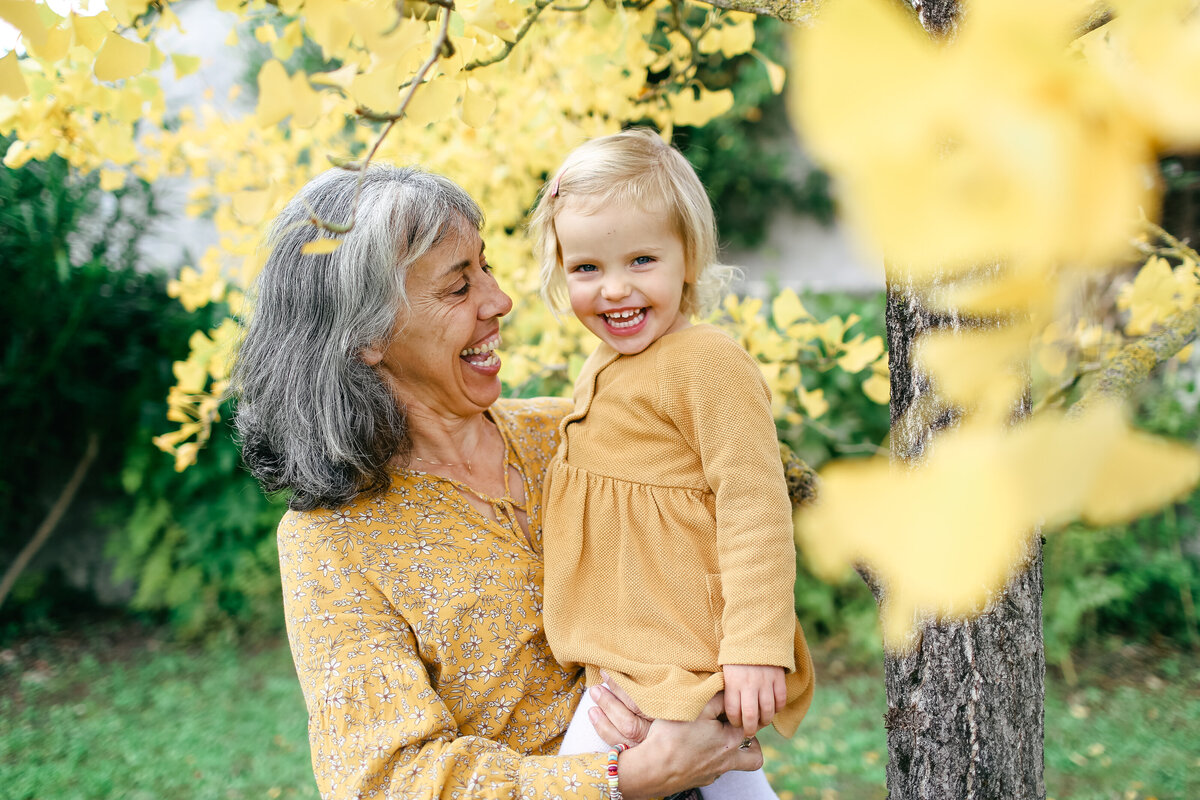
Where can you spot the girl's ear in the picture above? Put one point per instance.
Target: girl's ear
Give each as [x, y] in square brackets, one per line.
[370, 356]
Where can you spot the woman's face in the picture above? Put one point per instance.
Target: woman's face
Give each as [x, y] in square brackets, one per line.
[441, 359]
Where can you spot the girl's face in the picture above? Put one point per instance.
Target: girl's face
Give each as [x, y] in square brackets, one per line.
[625, 269]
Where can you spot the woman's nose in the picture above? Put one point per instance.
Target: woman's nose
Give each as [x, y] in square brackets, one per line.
[496, 304]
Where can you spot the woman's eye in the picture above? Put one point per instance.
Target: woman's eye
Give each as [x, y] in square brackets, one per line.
[466, 287]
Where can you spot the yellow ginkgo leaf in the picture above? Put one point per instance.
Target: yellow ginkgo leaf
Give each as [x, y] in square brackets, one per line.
[12, 83]
[776, 74]
[687, 109]
[112, 179]
[877, 388]
[1139, 474]
[121, 58]
[251, 206]
[274, 94]
[184, 65]
[56, 44]
[27, 17]
[433, 101]
[786, 309]
[477, 107]
[306, 104]
[860, 353]
[126, 11]
[377, 89]
[321, 246]
[89, 31]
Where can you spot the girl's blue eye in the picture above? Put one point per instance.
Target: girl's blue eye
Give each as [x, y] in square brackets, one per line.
[642, 260]
[583, 268]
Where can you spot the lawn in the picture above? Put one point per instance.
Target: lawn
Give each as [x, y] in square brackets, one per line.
[121, 714]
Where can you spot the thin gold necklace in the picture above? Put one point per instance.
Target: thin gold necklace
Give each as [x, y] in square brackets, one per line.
[440, 464]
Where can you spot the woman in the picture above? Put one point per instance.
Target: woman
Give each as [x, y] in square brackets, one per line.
[368, 387]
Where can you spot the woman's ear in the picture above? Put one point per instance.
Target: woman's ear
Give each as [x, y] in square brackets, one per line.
[370, 356]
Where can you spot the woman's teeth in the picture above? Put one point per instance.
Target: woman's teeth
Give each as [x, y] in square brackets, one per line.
[478, 350]
[625, 319]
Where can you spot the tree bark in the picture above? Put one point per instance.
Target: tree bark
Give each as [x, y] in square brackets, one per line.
[965, 707]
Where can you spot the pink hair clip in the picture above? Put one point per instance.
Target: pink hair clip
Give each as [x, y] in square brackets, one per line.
[554, 188]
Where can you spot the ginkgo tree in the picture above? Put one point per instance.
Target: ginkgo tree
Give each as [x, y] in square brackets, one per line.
[997, 166]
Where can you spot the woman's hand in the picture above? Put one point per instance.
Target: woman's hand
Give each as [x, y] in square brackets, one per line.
[616, 718]
[682, 755]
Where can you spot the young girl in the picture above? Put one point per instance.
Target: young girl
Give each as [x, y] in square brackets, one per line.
[669, 554]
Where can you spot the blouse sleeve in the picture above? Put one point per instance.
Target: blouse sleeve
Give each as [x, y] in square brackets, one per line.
[718, 400]
[377, 727]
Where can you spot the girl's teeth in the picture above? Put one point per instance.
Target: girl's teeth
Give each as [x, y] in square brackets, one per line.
[625, 319]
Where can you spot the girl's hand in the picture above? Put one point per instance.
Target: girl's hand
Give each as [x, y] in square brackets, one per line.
[752, 695]
[683, 755]
[616, 718]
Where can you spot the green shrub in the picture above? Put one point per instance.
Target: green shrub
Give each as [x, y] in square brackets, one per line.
[89, 337]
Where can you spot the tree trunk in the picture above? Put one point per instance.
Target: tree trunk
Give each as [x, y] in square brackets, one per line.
[965, 707]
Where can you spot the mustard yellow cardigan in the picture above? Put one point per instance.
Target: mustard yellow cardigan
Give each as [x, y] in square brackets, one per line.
[668, 530]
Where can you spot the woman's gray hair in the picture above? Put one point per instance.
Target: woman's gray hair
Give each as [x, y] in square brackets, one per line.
[311, 417]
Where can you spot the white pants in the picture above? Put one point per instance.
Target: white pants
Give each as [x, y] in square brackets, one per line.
[734, 785]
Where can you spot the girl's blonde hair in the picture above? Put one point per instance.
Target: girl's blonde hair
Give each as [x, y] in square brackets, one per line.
[637, 167]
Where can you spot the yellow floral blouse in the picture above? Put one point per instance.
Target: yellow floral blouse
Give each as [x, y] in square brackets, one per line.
[416, 627]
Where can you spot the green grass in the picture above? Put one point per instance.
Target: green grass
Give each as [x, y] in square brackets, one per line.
[120, 715]
[154, 723]
[1130, 730]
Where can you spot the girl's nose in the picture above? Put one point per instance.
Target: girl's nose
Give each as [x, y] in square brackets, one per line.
[614, 287]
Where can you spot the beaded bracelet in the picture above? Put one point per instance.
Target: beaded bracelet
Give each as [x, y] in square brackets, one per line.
[614, 793]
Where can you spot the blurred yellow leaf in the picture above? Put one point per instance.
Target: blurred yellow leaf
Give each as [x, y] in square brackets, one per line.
[90, 32]
[945, 534]
[112, 179]
[121, 58]
[184, 65]
[687, 109]
[274, 94]
[477, 107]
[377, 89]
[1150, 51]
[126, 11]
[56, 44]
[786, 309]
[860, 353]
[814, 403]
[433, 101]
[251, 206]
[1006, 148]
[321, 246]
[12, 84]
[28, 17]
[877, 388]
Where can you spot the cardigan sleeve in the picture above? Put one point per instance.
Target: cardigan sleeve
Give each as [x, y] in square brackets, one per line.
[715, 395]
[377, 726]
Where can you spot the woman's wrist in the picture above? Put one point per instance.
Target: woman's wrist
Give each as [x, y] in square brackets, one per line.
[642, 774]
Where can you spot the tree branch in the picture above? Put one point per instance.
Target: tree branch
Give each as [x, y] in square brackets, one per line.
[792, 11]
[1135, 361]
[48, 524]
